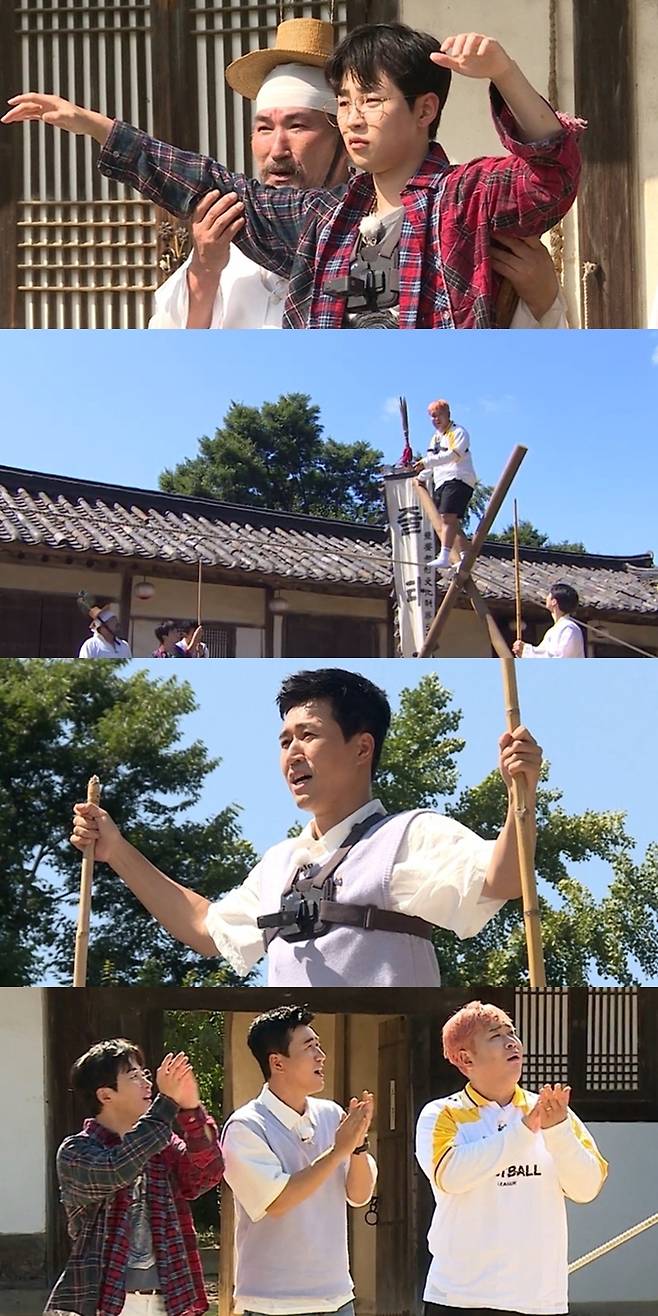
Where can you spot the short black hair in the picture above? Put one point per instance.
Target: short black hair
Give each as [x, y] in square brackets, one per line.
[165, 627]
[356, 704]
[399, 52]
[271, 1032]
[565, 596]
[100, 1067]
[188, 625]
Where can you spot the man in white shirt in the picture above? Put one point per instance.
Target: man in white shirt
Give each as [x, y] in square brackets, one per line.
[501, 1161]
[294, 1162]
[448, 468]
[104, 641]
[293, 144]
[353, 899]
[564, 639]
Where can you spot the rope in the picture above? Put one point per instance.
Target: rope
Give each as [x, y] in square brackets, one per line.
[556, 235]
[612, 639]
[613, 1242]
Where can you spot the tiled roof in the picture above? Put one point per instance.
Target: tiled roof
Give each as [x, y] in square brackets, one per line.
[68, 516]
[73, 516]
[605, 585]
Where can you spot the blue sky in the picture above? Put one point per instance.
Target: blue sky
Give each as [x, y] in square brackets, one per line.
[122, 406]
[595, 721]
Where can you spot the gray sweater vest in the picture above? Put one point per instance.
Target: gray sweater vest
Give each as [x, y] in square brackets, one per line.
[302, 1254]
[348, 956]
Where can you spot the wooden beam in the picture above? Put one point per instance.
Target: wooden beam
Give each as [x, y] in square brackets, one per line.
[607, 209]
[10, 157]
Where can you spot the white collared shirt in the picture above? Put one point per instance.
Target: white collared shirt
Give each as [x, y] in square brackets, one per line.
[438, 875]
[256, 1178]
[248, 297]
[563, 640]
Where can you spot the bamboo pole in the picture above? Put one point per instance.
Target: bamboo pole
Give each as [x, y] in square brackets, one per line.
[613, 1243]
[517, 576]
[84, 908]
[198, 594]
[524, 844]
[477, 543]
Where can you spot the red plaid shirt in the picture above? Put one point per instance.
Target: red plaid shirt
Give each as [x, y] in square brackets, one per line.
[451, 212]
[97, 1170]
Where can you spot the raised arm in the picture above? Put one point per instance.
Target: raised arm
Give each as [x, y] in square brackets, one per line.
[473, 55]
[177, 180]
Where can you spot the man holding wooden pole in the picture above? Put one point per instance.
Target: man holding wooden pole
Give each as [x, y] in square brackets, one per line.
[354, 898]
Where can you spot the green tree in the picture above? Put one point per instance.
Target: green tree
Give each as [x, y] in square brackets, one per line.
[615, 935]
[276, 457]
[62, 722]
[531, 537]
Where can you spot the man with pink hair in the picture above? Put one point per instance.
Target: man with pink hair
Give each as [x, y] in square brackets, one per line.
[448, 470]
[499, 1157]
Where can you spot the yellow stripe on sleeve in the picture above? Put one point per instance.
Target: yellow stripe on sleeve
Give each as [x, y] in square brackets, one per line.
[588, 1143]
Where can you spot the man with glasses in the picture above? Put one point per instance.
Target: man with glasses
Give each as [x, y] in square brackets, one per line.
[408, 242]
[126, 1180]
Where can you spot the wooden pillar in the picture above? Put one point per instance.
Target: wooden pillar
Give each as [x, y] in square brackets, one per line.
[372, 11]
[10, 155]
[125, 603]
[607, 200]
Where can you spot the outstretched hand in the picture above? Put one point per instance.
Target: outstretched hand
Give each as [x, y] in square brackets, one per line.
[59, 113]
[473, 55]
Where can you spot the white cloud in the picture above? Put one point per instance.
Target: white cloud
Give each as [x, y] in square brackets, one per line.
[654, 357]
[392, 407]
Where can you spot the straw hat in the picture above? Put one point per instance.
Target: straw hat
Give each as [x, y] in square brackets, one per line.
[298, 41]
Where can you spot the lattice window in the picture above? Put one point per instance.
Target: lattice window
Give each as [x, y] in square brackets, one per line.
[612, 1040]
[220, 639]
[542, 1020]
[224, 32]
[88, 248]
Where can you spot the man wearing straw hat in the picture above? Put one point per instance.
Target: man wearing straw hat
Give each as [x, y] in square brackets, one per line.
[294, 144]
[104, 642]
[354, 898]
[501, 1161]
[407, 243]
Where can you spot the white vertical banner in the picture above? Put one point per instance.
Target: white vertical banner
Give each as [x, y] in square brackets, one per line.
[412, 543]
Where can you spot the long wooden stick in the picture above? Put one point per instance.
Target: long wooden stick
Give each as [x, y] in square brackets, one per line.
[601, 1251]
[84, 909]
[517, 576]
[477, 543]
[522, 819]
[198, 594]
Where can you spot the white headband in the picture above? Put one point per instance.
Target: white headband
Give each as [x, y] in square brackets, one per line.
[104, 616]
[295, 87]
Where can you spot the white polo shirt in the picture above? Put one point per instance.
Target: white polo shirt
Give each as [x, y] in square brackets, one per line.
[448, 457]
[498, 1236]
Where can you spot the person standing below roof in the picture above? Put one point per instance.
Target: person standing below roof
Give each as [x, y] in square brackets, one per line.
[168, 635]
[293, 144]
[104, 642]
[191, 643]
[564, 639]
[448, 466]
[501, 1162]
[294, 1163]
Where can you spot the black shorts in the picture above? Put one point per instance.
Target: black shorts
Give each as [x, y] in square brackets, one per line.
[435, 1309]
[453, 496]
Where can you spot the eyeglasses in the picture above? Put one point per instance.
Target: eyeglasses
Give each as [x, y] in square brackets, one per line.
[139, 1075]
[369, 108]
